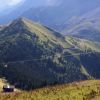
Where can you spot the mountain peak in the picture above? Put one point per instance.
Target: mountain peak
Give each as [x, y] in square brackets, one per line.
[22, 25]
[19, 20]
[22, 21]
[19, 24]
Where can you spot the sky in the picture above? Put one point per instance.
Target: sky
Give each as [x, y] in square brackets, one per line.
[8, 3]
[4, 3]
[51, 2]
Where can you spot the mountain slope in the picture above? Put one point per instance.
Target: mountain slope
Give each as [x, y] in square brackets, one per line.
[85, 26]
[2, 27]
[37, 56]
[83, 44]
[85, 90]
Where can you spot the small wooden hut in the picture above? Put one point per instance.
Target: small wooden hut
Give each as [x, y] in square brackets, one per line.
[8, 88]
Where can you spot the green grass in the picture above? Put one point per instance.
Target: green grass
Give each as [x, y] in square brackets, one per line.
[86, 90]
[83, 44]
[45, 33]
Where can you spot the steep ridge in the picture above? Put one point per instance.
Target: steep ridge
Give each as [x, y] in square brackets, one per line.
[37, 56]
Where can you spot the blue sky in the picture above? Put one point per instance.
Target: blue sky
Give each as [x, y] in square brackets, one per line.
[4, 3]
[8, 3]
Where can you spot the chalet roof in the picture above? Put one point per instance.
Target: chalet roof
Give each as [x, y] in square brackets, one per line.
[8, 86]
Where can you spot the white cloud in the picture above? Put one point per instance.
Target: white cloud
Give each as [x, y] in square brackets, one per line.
[4, 3]
[14, 2]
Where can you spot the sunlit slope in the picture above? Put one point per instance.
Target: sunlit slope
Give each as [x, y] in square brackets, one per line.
[44, 33]
[83, 44]
[2, 83]
[86, 90]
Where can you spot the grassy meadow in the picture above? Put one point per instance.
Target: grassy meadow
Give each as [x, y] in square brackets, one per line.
[85, 90]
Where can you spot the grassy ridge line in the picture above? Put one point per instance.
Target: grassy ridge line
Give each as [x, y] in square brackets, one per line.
[86, 90]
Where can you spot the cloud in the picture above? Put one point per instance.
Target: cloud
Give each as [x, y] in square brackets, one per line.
[13, 2]
[5, 4]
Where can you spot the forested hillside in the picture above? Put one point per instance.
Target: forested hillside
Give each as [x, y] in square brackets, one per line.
[33, 55]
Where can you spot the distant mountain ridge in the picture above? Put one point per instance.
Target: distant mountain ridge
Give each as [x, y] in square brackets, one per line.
[86, 26]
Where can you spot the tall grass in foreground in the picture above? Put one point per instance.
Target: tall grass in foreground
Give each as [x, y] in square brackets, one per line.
[87, 90]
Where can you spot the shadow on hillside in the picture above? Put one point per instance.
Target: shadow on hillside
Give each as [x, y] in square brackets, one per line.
[91, 62]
